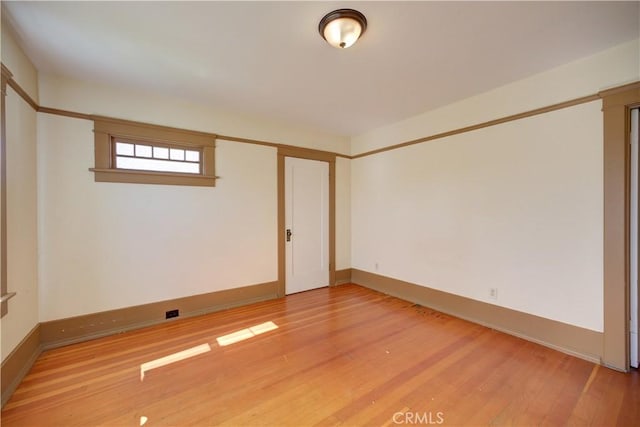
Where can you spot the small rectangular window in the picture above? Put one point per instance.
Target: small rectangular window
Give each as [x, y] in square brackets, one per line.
[145, 157]
[140, 153]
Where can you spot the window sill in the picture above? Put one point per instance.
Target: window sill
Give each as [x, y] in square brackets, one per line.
[148, 177]
[7, 297]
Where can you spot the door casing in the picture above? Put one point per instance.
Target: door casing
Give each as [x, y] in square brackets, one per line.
[305, 153]
[616, 107]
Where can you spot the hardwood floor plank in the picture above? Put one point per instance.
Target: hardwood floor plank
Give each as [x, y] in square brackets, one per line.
[344, 356]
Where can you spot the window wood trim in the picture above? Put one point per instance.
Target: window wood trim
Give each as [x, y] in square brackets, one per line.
[107, 131]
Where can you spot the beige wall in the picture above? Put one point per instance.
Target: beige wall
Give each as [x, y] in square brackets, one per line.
[21, 200]
[517, 206]
[117, 245]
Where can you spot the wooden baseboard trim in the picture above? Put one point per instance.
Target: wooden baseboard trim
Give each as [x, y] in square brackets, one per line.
[18, 363]
[343, 276]
[57, 333]
[576, 341]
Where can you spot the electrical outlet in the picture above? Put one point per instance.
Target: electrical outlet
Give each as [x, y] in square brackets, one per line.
[376, 266]
[172, 313]
[493, 293]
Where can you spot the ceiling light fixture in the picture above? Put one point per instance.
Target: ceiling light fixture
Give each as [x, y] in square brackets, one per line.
[343, 27]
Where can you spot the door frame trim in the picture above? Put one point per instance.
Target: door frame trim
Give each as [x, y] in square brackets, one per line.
[616, 107]
[633, 314]
[308, 154]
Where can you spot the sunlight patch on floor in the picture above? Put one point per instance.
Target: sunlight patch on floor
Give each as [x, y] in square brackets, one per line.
[172, 358]
[247, 333]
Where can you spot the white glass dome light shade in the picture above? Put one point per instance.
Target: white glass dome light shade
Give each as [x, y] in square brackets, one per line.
[343, 27]
[342, 32]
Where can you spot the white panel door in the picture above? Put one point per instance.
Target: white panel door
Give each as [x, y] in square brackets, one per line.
[307, 224]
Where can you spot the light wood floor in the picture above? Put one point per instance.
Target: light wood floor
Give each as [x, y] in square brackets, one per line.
[340, 356]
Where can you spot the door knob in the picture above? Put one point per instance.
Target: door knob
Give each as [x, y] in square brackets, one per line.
[288, 235]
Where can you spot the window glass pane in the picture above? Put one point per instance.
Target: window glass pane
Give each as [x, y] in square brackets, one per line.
[143, 150]
[160, 152]
[176, 154]
[124, 149]
[156, 165]
[192, 156]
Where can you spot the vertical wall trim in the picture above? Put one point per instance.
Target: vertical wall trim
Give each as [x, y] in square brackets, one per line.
[281, 227]
[332, 222]
[617, 104]
[4, 306]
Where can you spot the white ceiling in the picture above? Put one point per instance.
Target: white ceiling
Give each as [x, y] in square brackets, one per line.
[267, 58]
